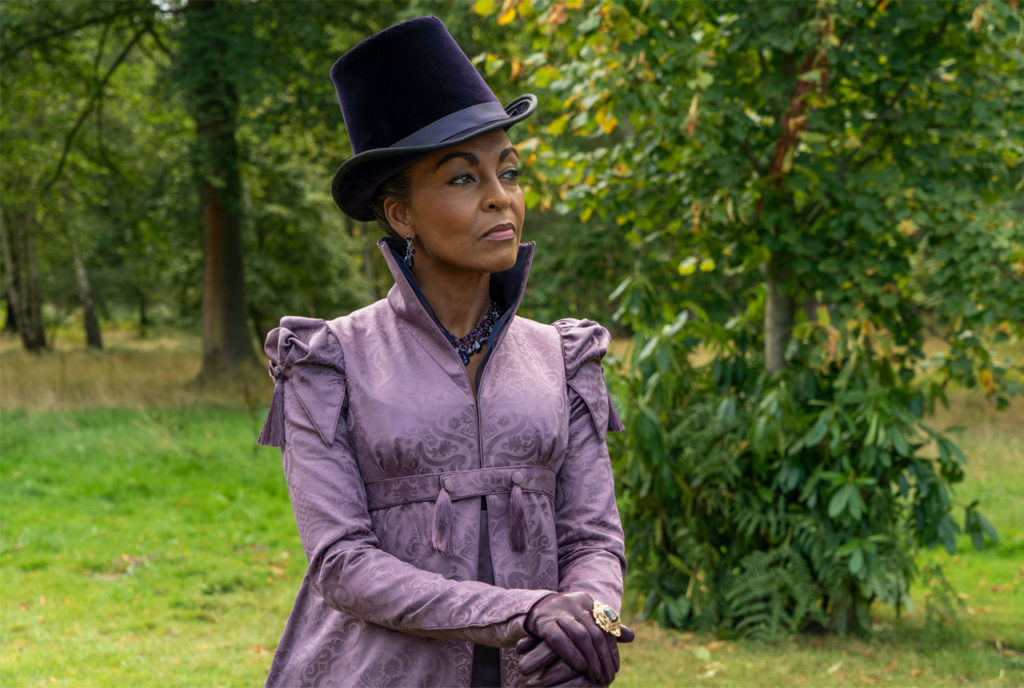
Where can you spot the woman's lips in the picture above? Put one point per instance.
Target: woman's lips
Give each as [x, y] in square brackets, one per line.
[501, 233]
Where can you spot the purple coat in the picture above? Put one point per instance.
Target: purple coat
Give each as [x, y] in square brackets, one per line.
[387, 455]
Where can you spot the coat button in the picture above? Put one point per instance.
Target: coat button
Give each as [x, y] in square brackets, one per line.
[447, 483]
[517, 478]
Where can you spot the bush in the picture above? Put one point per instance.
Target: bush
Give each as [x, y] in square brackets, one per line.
[765, 504]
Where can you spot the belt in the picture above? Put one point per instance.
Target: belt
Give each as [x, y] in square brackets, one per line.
[442, 488]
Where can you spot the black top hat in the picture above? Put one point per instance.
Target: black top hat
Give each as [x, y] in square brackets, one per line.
[405, 92]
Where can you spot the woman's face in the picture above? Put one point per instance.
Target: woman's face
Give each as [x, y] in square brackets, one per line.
[465, 208]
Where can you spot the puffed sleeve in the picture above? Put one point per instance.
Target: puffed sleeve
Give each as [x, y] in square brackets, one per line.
[304, 357]
[347, 568]
[591, 549]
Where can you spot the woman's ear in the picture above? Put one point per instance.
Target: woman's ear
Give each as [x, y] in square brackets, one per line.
[397, 214]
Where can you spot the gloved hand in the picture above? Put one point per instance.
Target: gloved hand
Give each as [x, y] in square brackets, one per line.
[565, 622]
[543, 668]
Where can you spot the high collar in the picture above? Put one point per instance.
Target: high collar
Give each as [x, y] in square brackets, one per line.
[408, 302]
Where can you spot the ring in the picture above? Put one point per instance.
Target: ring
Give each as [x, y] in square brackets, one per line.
[607, 619]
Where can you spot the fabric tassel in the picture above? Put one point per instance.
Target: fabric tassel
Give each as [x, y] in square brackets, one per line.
[517, 519]
[444, 516]
[272, 434]
[614, 422]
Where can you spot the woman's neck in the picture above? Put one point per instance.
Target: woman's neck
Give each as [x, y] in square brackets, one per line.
[459, 300]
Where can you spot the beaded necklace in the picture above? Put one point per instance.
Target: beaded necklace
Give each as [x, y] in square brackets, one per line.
[474, 341]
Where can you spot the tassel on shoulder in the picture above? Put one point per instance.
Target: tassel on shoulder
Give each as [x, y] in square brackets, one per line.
[272, 434]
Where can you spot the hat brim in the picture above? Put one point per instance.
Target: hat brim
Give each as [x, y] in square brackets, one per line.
[353, 192]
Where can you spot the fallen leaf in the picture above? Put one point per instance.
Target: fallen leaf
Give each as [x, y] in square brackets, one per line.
[258, 650]
[916, 672]
[835, 667]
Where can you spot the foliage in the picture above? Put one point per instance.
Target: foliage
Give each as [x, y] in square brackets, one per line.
[99, 145]
[765, 173]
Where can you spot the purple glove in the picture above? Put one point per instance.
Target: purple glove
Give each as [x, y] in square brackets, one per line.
[565, 622]
[542, 668]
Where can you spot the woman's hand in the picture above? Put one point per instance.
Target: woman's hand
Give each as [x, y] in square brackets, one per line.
[566, 643]
[543, 668]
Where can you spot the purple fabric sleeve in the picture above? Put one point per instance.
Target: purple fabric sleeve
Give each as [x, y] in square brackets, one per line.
[591, 550]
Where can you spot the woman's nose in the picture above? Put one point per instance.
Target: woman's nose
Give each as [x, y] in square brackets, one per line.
[497, 196]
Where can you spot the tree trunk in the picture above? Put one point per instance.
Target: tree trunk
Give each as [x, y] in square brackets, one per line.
[143, 316]
[22, 276]
[93, 336]
[779, 308]
[226, 338]
[11, 319]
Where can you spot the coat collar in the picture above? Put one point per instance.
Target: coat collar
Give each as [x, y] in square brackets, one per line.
[408, 302]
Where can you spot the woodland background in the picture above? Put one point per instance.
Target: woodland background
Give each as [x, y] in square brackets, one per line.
[802, 220]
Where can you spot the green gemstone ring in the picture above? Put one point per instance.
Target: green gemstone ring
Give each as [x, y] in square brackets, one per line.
[607, 619]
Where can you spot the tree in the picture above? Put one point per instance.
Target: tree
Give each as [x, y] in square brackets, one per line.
[82, 49]
[805, 192]
[21, 277]
[137, 93]
[208, 57]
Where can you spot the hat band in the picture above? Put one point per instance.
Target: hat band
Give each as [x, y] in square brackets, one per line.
[455, 123]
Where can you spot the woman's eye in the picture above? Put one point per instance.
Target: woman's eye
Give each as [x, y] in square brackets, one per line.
[511, 174]
[462, 179]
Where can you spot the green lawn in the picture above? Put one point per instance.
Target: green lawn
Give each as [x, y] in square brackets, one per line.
[143, 547]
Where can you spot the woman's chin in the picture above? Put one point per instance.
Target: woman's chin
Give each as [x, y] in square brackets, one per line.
[508, 260]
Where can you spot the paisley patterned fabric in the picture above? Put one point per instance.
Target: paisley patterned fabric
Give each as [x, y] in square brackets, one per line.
[386, 452]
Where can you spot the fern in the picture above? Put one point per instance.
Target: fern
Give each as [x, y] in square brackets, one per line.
[772, 594]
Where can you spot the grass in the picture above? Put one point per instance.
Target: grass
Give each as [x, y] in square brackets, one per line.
[142, 548]
[146, 541]
[156, 372]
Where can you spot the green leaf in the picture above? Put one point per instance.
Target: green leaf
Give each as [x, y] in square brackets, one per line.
[837, 504]
[855, 503]
[813, 137]
[899, 441]
[856, 563]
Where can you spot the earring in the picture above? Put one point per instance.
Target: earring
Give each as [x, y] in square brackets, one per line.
[410, 250]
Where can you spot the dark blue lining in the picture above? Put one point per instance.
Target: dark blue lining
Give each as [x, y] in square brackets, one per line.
[504, 291]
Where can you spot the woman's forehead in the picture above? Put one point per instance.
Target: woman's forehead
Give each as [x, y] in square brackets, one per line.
[491, 144]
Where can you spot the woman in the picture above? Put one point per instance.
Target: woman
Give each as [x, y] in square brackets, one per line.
[446, 458]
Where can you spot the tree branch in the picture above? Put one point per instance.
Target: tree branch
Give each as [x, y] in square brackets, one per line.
[89, 107]
[159, 42]
[124, 10]
[100, 49]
